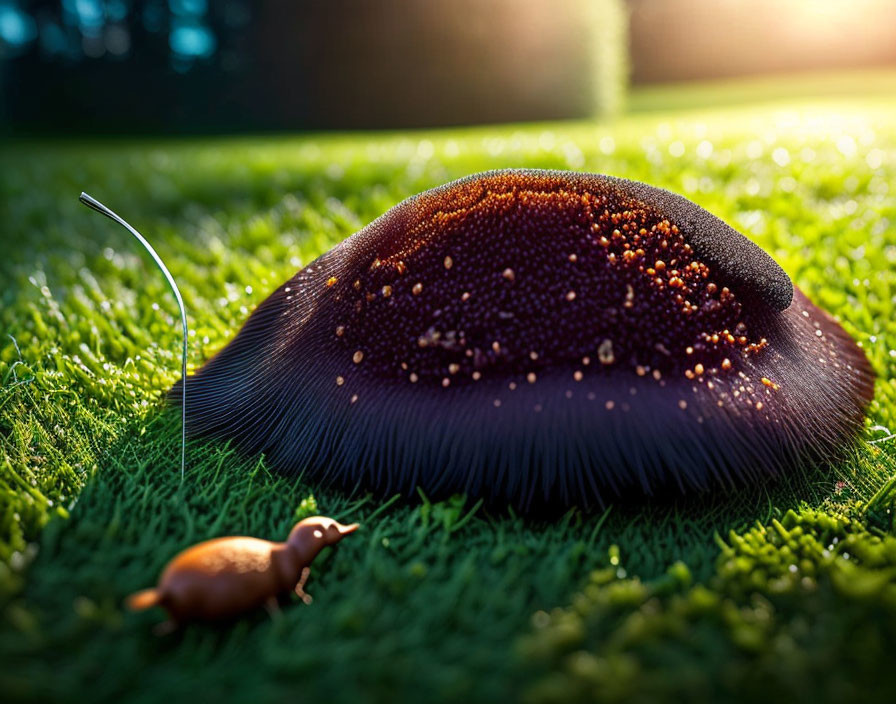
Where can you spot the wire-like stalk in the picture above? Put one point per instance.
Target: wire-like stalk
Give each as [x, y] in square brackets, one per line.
[91, 202]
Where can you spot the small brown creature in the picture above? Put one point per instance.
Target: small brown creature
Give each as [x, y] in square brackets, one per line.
[222, 578]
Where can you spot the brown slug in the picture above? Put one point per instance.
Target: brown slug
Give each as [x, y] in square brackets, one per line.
[222, 578]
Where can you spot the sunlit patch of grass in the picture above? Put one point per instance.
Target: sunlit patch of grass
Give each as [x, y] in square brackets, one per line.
[800, 609]
[427, 596]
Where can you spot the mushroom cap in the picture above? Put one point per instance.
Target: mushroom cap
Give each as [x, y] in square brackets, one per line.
[542, 338]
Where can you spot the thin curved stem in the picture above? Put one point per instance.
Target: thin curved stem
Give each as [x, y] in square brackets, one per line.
[91, 202]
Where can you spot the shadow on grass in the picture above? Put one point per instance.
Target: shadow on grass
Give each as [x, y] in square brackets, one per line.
[425, 595]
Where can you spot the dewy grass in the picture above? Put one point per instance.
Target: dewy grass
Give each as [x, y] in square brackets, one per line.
[660, 600]
[791, 612]
[94, 204]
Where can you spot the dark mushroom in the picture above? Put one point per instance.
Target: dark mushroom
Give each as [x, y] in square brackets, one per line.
[542, 338]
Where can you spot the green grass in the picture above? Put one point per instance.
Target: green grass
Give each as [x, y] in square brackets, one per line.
[779, 592]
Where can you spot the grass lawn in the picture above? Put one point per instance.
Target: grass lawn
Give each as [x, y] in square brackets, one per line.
[784, 592]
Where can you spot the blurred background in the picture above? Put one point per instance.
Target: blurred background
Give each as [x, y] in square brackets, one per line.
[188, 66]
